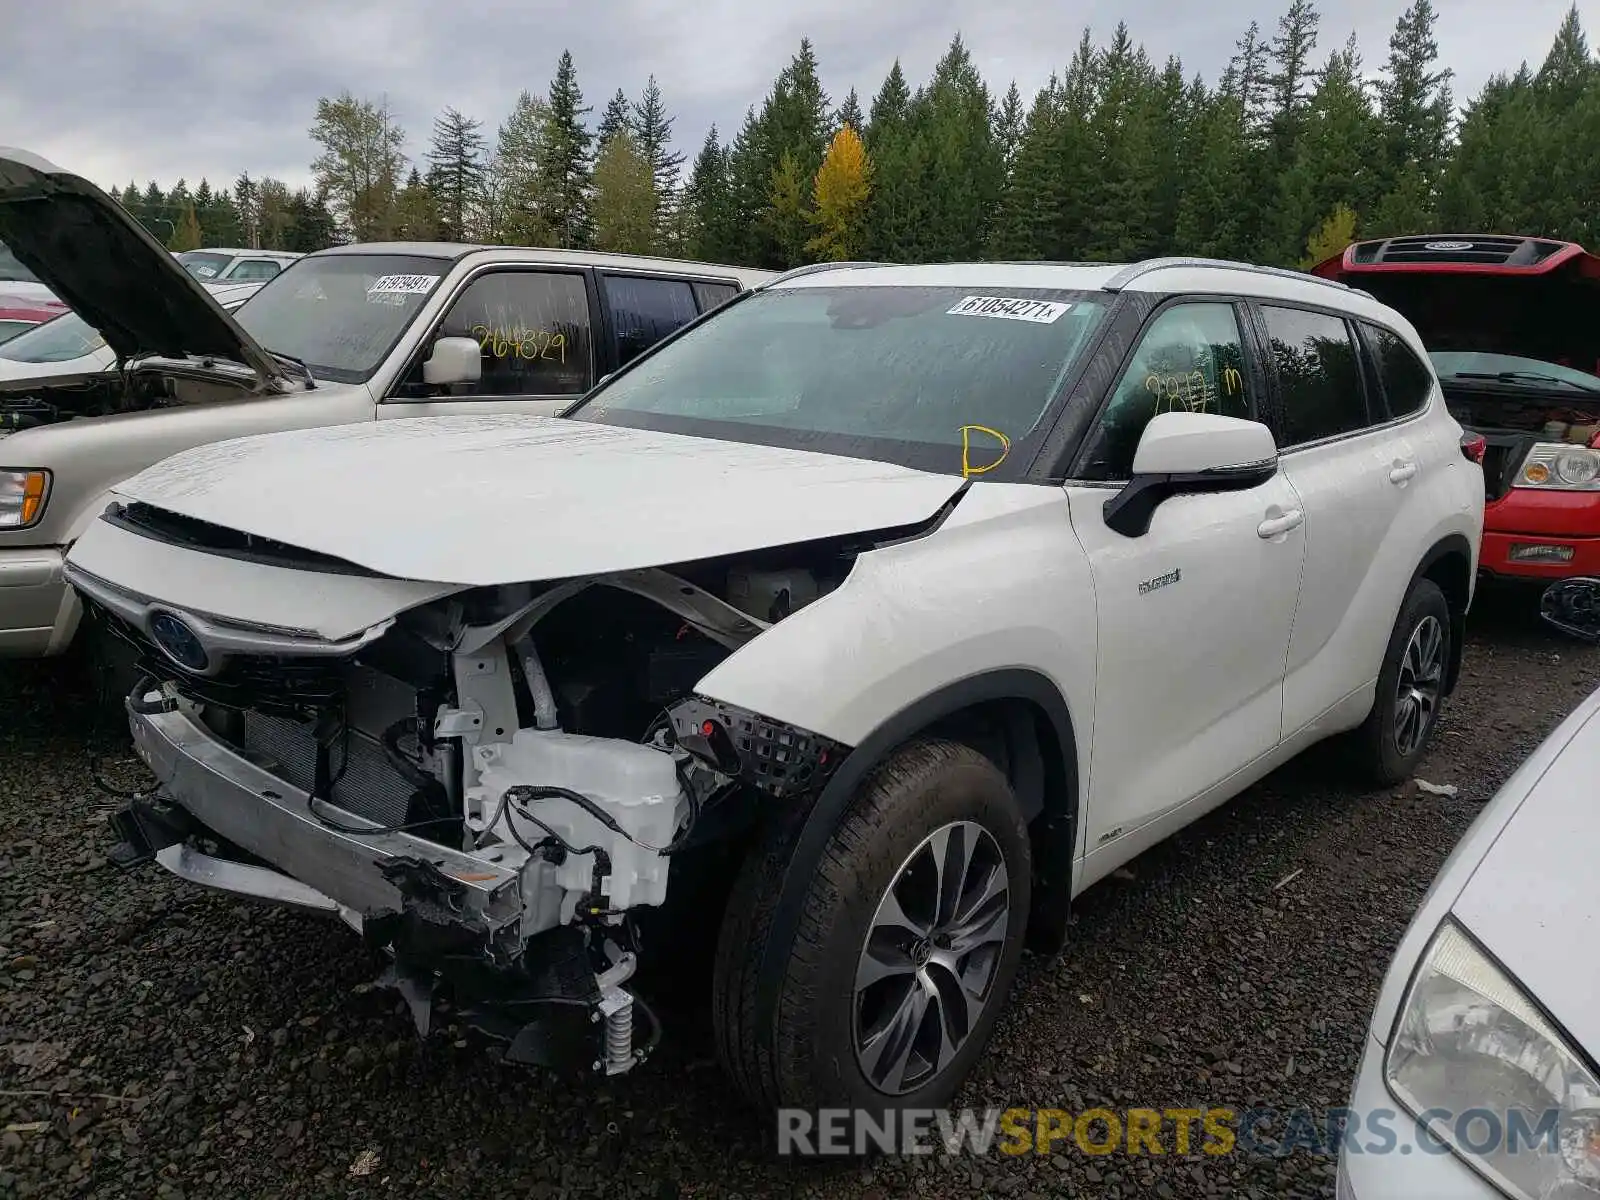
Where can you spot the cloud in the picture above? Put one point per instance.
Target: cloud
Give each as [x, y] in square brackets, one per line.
[188, 88]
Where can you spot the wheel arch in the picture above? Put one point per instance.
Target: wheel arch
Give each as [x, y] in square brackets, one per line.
[1448, 563]
[1016, 717]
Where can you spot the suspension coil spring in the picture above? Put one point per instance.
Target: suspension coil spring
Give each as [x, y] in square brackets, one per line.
[619, 1034]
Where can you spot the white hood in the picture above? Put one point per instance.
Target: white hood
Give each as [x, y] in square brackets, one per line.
[505, 499]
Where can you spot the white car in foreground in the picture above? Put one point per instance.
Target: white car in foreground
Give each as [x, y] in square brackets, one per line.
[1486, 1034]
[925, 595]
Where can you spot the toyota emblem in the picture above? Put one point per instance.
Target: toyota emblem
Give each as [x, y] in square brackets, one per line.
[179, 643]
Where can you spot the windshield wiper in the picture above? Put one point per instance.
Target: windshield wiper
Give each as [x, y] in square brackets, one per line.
[1524, 377]
[311, 380]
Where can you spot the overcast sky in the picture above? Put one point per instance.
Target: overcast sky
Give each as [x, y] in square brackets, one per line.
[142, 89]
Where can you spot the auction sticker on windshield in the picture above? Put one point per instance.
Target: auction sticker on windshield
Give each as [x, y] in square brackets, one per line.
[406, 285]
[1042, 312]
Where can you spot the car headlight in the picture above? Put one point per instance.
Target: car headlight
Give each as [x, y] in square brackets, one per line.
[22, 497]
[1558, 465]
[1498, 1083]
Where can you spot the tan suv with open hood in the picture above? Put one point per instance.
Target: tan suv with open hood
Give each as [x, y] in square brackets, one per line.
[355, 333]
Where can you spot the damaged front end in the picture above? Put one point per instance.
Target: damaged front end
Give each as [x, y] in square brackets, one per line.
[490, 786]
[1573, 606]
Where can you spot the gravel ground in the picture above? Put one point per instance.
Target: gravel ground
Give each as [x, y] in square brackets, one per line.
[160, 1041]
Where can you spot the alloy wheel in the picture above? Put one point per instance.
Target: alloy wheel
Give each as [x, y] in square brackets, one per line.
[928, 965]
[1420, 682]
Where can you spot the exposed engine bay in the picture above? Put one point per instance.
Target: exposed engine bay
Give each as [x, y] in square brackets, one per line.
[106, 393]
[1513, 419]
[546, 739]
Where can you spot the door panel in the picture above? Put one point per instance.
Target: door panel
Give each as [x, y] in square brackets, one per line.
[1351, 509]
[1194, 620]
[1194, 615]
[1354, 479]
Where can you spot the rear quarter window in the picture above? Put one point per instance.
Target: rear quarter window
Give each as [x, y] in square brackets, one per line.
[1405, 379]
[710, 295]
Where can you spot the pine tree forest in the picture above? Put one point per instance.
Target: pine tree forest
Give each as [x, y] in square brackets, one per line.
[1298, 146]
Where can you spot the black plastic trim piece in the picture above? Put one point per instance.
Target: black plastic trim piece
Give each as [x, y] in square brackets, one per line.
[779, 759]
[1131, 510]
[175, 529]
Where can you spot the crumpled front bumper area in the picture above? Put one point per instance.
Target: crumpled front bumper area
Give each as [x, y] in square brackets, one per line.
[368, 878]
[444, 915]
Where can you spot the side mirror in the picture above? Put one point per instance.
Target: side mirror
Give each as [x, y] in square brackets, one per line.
[454, 360]
[1185, 452]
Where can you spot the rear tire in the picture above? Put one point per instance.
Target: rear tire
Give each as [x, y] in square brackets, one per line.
[841, 1034]
[1405, 711]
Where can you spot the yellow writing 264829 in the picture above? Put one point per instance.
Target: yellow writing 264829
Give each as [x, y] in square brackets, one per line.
[500, 341]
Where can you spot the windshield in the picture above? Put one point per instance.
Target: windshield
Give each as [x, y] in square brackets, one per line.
[341, 314]
[56, 340]
[932, 377]
[1533, 371]
[204, 266]
[12, 271]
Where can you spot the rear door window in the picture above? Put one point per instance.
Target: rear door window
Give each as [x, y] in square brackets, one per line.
[1318, 373]
[644, 310]
[1406, 382]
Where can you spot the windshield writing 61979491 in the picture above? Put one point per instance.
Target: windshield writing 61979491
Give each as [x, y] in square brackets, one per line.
[341, 314]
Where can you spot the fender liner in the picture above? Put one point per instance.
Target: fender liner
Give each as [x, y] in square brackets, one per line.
[1454, 544]
[1054, 831]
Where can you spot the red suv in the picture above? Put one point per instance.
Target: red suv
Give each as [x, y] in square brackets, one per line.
[1513, 327]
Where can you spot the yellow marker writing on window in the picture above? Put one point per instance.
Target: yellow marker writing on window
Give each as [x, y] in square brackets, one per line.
[967, 469]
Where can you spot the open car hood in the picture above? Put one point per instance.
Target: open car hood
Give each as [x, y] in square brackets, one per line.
[91, 252]
[487, 500]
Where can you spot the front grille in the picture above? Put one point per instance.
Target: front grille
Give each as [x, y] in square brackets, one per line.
[366, 782]
[175, 529]
[288, 687]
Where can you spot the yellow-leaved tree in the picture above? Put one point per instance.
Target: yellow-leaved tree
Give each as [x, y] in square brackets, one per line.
[843, 183]
[1338, 230]
[186, 233]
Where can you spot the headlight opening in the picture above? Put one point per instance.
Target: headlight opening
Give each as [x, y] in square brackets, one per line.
[1488, 1073]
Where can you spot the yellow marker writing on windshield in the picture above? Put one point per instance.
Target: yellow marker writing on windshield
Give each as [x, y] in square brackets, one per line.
[967, 469]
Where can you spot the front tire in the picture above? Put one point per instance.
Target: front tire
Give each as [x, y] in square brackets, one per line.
[908, 942]
[1411, 685]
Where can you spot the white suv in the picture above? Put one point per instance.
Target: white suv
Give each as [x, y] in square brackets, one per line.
[926, 594]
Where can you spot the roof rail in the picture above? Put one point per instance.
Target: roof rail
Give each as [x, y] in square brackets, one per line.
[813, 268]
[1129, 273]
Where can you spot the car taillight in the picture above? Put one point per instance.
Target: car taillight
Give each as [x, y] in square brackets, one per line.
[1474, 446]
